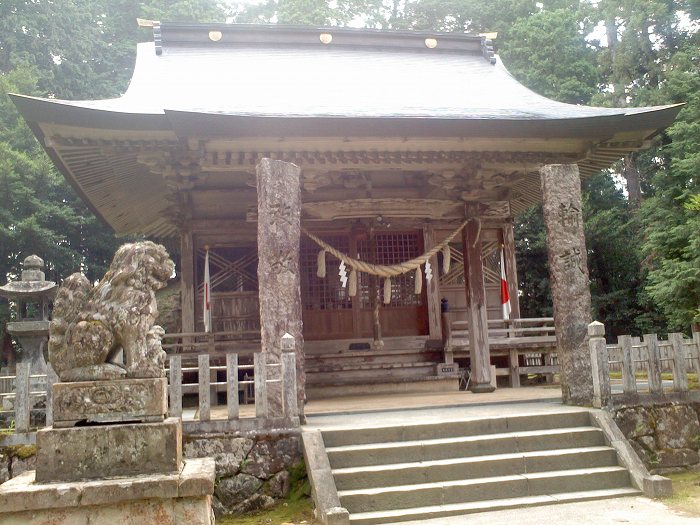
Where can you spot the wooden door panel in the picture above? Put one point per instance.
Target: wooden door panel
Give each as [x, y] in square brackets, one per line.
[327, 324]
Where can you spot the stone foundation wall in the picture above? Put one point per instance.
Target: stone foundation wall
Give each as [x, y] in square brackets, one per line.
[666, 437]
[252, 472]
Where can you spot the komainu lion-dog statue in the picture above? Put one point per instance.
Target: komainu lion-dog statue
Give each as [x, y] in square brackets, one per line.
[91, 327]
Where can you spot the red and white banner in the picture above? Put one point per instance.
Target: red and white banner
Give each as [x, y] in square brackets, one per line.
[505, 295]
[206, 295]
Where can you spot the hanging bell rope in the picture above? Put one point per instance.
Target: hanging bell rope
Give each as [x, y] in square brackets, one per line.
[381, 270]
[418, 283]
[321, 265]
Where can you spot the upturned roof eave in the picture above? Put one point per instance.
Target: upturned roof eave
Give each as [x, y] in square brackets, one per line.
[217, 124]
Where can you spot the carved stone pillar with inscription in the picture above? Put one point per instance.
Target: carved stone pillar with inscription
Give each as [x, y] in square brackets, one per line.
[279, 231]
[568, 271]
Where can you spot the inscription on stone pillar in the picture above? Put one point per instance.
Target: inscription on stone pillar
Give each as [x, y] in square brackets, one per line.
[279, 230]
[568, 271]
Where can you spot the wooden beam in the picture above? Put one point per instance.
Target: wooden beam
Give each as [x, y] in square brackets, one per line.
[187, 280]
[432, 288]
[476, 304]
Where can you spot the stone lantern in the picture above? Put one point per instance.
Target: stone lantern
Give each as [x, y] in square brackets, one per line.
[31, 328]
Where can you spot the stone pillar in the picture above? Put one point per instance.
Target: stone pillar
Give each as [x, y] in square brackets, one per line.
[432, 288]
[476, 304]
[279, 232]
[511, 269]
[568, 271]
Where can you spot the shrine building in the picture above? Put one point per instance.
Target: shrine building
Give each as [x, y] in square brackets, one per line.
[416, 151]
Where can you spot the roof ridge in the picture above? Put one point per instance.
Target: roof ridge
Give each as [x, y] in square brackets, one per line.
[167, 34]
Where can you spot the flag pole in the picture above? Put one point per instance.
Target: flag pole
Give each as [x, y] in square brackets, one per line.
[505, 294]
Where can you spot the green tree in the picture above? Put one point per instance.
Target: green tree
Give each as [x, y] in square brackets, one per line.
[78, 49]
[533, 268]
[671, 223]
[548, 53]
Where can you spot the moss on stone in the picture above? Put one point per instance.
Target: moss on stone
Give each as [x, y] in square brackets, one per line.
[19, 451]
[299, 482]
[297, 472]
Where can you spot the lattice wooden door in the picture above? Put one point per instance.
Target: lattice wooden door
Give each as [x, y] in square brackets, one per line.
[407, 313]
[327, 308]
[329, 313]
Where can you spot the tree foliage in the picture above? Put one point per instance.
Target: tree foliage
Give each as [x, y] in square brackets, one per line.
[78, 49]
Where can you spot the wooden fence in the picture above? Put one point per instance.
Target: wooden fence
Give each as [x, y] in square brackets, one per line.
[641, 363]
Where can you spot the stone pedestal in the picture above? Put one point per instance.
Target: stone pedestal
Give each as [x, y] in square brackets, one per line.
[568, 271]
[182, 498]
[102, 451]
[122, 400]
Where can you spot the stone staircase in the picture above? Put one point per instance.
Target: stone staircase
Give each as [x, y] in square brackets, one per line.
[404, 364]
[423, 471]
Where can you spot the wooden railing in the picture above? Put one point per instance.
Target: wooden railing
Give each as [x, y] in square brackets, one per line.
[502, 332]
[198, 356]
[262, 376]
[533, 339]
[641, 363]
[213, 343]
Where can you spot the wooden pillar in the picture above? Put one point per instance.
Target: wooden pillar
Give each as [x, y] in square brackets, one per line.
[279, 232]
[187, 284]
[476, 304]
[568, 271]
[511, 269]
[432, 288]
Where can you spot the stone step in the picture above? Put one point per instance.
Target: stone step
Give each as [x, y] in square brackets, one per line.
[384, 373]
[481, 489]
[313, 348]
[473, 467]
[345, 368]
[335, 437]
[456, 509]
[360, 358]
[379, 386]
[462, 446]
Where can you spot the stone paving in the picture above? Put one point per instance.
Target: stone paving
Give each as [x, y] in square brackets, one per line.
[635, 510]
